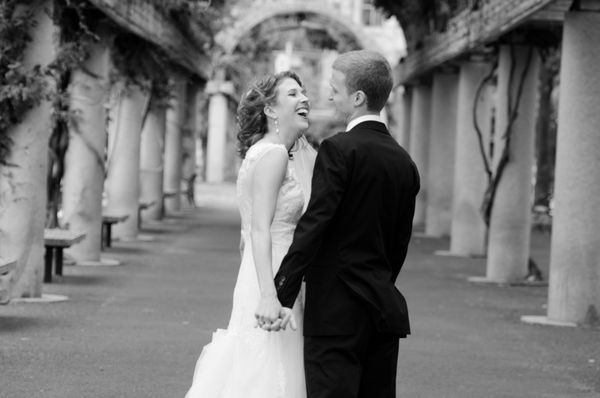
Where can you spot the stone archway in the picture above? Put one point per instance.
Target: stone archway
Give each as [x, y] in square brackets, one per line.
[256, 13]
[229, 38]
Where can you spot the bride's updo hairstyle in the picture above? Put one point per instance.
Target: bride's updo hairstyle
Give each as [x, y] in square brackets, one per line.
[250, 114]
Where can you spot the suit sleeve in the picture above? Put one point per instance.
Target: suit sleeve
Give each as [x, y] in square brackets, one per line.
[328, 187]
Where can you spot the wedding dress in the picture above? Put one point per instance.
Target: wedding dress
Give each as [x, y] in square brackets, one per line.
[244, 361]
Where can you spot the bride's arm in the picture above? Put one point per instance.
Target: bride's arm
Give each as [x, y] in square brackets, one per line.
[266, 182]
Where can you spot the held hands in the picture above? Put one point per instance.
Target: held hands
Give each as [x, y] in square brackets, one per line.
[271, 316]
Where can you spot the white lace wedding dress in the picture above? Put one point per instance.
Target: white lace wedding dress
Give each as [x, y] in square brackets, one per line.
[243, 361]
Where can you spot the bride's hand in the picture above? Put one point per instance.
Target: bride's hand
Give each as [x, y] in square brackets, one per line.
[267, 311]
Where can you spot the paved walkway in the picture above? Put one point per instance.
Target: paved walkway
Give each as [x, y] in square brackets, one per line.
[134, 331]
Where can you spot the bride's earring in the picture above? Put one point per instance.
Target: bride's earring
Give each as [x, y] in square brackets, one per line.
[276, 126]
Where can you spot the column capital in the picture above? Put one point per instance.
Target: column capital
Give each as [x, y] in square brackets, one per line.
[219, 87]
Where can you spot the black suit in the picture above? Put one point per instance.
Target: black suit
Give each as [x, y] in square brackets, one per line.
[350, 246]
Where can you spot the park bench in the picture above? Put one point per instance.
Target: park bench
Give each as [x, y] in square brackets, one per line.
[107, 222]
[55, 240]
[5, 267]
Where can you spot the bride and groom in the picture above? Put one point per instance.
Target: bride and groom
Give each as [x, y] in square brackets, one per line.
[341, 222]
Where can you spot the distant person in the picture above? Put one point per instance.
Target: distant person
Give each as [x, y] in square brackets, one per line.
[351, 243]
[245, 361]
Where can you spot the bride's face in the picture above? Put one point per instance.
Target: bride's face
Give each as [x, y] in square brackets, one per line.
[291, 108]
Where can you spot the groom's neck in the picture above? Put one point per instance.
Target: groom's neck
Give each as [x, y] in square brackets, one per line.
[361, 112]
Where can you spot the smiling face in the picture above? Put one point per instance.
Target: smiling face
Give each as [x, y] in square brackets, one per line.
[291, 108]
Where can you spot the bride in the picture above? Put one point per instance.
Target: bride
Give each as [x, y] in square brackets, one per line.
[273, 187]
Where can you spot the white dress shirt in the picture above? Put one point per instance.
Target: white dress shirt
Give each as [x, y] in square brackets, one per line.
[364, 118]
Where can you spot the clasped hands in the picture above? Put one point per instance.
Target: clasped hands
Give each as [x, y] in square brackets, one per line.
[272, 317]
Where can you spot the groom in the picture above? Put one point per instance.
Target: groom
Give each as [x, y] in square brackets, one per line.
[351, 242]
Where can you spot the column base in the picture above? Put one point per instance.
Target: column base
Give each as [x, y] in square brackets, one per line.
[137, 238]
[423, 235]
[45, 299]
[483, 280]
[544, 321]
[448, 253]
[165, 225]
[103, 262]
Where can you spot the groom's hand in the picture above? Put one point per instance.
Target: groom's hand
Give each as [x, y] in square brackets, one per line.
[267, 312]
[287, 318]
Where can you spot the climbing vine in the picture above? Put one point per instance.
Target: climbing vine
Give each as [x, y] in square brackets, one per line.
[21, 88]
[516, 83]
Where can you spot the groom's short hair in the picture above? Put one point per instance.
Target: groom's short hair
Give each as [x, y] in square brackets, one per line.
[369, 72]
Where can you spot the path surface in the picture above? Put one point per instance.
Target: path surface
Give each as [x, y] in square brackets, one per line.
[134, 331]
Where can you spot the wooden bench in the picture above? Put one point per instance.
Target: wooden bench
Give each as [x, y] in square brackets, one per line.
[6, 266]
[55, 240]
[107, 222]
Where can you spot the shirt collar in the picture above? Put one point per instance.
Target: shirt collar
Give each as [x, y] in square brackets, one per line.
[364, 118]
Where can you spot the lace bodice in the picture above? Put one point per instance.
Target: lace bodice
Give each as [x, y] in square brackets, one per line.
[290, 200]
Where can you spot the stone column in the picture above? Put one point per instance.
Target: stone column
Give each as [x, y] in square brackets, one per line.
[173, 147]
[510, 224]
[400, 112]
[440, 169]
[151, 161]
[200, 128]
[217, 129]
[23, 178]
[84, 161]
[406, 109]
[122, 182]
[419, 143]
[574, 291]
[198, 121]
[468, 233]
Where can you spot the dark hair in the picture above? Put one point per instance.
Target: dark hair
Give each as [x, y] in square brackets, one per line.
[251, 117]
[369, 72]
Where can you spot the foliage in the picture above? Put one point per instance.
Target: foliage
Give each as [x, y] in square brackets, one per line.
[198, 20]
[406, 11]
[138, 62]
[20, 88]
[419, 18]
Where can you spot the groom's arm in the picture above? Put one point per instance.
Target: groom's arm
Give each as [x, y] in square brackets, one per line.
[328, 188]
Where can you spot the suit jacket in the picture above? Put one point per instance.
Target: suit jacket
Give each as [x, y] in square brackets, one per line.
[351, 242]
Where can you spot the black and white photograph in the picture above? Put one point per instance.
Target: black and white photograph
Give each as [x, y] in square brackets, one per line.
[299, 199]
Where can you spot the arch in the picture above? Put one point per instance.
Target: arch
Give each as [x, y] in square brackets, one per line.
[230, 38]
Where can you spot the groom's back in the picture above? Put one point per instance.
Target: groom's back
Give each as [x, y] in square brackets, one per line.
[368, 236]
[375, 216]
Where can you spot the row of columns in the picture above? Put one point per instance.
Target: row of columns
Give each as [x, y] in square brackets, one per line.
[440, 135]
[144, 153]
[140, 146]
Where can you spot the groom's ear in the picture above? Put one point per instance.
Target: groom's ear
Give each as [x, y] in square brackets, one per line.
[360, 98]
